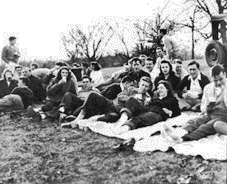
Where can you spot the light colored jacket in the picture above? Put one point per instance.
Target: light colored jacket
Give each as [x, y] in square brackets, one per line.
[209, 95]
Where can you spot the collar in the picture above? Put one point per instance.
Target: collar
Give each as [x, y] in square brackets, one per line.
[198, 77]
[122, 87]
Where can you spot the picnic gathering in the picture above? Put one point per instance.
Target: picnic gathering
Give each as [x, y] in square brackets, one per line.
[147, 90]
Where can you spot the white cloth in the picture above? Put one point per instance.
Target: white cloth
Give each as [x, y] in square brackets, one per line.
[97, 77]
[195, 87]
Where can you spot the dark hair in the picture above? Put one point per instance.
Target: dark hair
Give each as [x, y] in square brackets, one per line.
[60, 63]
[142, 55]
[11, 38]
[87, 77]
[25, 80]
[4, 73]
[35, 65]
[194, 63]
[159, 48]
[135, 59]
[164, 31]
[168, 86]
[179, 61]
[126, 79]
[96, 65]
[18, 66]
[86, 65]
[77, 65]
[146, 79]
[58, 78]
[170, 67]
[151, 59]
[216, 70]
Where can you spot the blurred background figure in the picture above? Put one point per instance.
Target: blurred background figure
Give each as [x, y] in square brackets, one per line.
[10, 54]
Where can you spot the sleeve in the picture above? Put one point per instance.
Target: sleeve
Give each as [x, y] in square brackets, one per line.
[205, 99]
[181, 86]
[124, 95]
[74, 79]
[54, 88]
[4, 54]
[206, 81]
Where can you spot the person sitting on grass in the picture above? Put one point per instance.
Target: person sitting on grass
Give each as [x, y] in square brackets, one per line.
[151, 69]
[178, 69]
[7, 84]
[62, 84]
[116, 76]
[97, 104]
[35, 85]
[137, 71]
[214, 112]
[96, 73]
[20, 97]
[136, 115]
[190, 98]
[167, 74]
[17, 72]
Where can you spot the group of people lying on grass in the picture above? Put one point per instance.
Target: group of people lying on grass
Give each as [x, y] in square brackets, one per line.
[144, 93]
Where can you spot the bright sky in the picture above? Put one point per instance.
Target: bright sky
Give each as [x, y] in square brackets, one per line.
[38, 24]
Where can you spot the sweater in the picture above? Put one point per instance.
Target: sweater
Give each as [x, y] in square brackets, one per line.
[186, 82]
[55, 91]
[5, 89]
[112, 91]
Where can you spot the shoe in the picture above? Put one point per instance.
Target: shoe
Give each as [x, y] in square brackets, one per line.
[66, 125]
[70, 118]
[126, 145]
[32, 113]
[53, 114]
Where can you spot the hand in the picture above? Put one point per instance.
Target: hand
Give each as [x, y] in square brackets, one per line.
[63, 80]
[185, 95]
[167, 111]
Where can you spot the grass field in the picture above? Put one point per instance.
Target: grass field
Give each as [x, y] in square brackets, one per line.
[44, 153]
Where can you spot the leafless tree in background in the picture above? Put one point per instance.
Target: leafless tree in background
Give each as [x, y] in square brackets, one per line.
[91, 44]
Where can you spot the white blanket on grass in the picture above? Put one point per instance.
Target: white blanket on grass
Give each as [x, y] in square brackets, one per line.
[212, 147]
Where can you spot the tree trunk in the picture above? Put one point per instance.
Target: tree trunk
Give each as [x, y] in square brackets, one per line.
[223, 31]
[193, 42]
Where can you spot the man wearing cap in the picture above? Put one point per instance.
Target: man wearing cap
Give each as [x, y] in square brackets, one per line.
[10, 54]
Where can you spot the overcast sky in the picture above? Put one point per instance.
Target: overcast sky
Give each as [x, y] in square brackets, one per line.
[38, 24]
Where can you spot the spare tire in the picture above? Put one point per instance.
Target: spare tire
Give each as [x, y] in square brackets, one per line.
[215, 53]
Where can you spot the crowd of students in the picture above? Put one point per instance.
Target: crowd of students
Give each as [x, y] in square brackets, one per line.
[146, 91]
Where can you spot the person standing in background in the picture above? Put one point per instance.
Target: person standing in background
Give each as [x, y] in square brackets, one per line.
[10, 54]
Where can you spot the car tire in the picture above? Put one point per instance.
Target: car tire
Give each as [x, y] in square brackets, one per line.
[215, 53]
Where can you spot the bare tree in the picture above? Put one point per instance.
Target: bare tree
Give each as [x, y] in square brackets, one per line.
[91, 44]
[210, 8]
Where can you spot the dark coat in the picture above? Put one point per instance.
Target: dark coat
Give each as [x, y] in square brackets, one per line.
[136, 76]
[111, 91]
[26, 95]
[186, 82]
[170, 103]
[173, 79]
[5, 89]
[37, 88]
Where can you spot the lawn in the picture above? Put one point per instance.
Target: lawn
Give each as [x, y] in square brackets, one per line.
[42, 152]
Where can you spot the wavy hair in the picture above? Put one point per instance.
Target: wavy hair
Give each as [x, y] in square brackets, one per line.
[58, 77]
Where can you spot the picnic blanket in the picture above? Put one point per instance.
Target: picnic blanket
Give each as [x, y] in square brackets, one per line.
[212, 147]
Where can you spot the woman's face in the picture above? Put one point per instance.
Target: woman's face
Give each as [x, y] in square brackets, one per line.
[162, 90]
[64, 73]
[165, 68]
[92, 67]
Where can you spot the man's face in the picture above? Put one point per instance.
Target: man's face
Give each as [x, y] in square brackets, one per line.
[126, 85]
[26, 72]
[18, 71]
[178, 68]
[143, 87]
[149, 65]
[165, 68]
[127, 67]
[86, 83]
[136, 66]
[13, 42]
[219, 80]
[8, 75]
[33, 67]
[159, 53]
[193, 71]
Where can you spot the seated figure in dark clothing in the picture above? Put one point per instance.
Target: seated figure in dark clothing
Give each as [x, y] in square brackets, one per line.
[167, 74]
[35, 85]
[20, 98]
[7, 84]
[160, 108]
